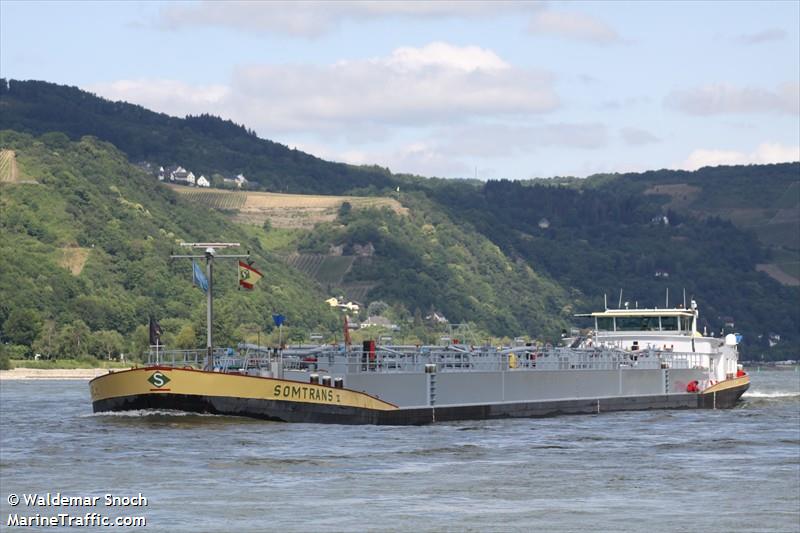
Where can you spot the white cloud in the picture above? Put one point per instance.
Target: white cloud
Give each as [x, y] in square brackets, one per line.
[763, 36]
[412, 86]
[425, 159]
[765, 153]
[724, 98]
[573, 25]
[500, 140]
[443, 55]
[174, 97]
[416, 157]
[311, 19]
[638, 137]
[452, 151]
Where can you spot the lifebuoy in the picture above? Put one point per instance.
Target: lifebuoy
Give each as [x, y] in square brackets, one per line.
[693, 386]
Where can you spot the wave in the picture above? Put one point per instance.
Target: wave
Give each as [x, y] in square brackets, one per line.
[772, 394]
[137, 413]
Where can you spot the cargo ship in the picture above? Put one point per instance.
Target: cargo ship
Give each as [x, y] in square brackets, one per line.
[629, 359]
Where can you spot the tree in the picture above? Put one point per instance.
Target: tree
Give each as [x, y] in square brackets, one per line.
[139, 341]
[377, 308]
[108, 343]
[72, 340]
[186, 338]
[46, 341]
[345, 209]
[22, 326]
[417, 318]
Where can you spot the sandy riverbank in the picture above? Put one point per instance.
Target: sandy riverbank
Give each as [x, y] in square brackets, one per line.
[54, 373]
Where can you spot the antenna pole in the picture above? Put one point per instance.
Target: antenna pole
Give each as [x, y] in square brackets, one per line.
[209, 255]
[210, 309]
[619, 305]
[666, 304]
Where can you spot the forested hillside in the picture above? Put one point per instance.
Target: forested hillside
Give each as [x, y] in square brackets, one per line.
[204, 144]
[608, 238]
[429, 262]
[86, 235]
[84, 257]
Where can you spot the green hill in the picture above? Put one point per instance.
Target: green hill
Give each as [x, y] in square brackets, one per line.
[603, 237]
[512, 257]
[205, 144]
[86, 250]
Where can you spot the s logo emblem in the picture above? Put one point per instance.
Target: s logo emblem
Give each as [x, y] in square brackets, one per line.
[158, 380]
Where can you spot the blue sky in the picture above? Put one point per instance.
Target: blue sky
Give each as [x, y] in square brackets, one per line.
[498, 89]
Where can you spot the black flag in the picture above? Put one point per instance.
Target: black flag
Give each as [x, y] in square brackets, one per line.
[155, 332]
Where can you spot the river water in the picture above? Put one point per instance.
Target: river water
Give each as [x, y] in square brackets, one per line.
[727, 470]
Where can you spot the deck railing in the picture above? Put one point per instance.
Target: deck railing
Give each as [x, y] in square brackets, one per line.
[412, 359]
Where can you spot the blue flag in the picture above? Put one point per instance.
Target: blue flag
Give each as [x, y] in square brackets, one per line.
[279, 319]
[198, 278]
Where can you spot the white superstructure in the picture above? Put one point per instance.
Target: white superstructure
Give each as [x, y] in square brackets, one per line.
[664, 330]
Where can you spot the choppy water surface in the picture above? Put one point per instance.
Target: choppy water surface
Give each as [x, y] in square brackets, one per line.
[731, 470]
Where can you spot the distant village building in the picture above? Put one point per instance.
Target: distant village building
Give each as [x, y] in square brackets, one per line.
[364, 250]
[544, 223]
[660, 219]
[146, 166]
[179, 175]
[239, 181]
[660, 273]
[202, 181]
[350, 306]
[437, 318]
[773, 339]
[379, 322]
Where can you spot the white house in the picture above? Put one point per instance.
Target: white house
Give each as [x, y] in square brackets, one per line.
[178, 175]
[376, 321]
[202, 181]
[352, 307]
[437, 318]
[190, 179]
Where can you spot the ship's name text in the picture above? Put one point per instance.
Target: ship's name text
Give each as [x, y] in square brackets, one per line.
[300, 392]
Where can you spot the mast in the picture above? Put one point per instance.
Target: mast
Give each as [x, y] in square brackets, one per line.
[209, 255]
[210, 307]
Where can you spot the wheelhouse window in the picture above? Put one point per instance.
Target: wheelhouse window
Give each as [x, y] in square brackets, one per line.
[649, 323]
[686, 323]
[605, 323]
[669, 323]
[629, 323]
[637, 323]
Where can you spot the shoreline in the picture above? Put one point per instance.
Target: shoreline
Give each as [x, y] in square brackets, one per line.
[54, 373]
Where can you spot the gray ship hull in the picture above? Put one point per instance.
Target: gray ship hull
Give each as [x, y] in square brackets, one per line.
[284, 411]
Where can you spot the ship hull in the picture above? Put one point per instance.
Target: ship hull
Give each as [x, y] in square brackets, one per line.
[264, 398]
[724, 395]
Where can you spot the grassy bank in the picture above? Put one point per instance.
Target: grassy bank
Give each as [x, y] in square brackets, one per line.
[52, 364]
